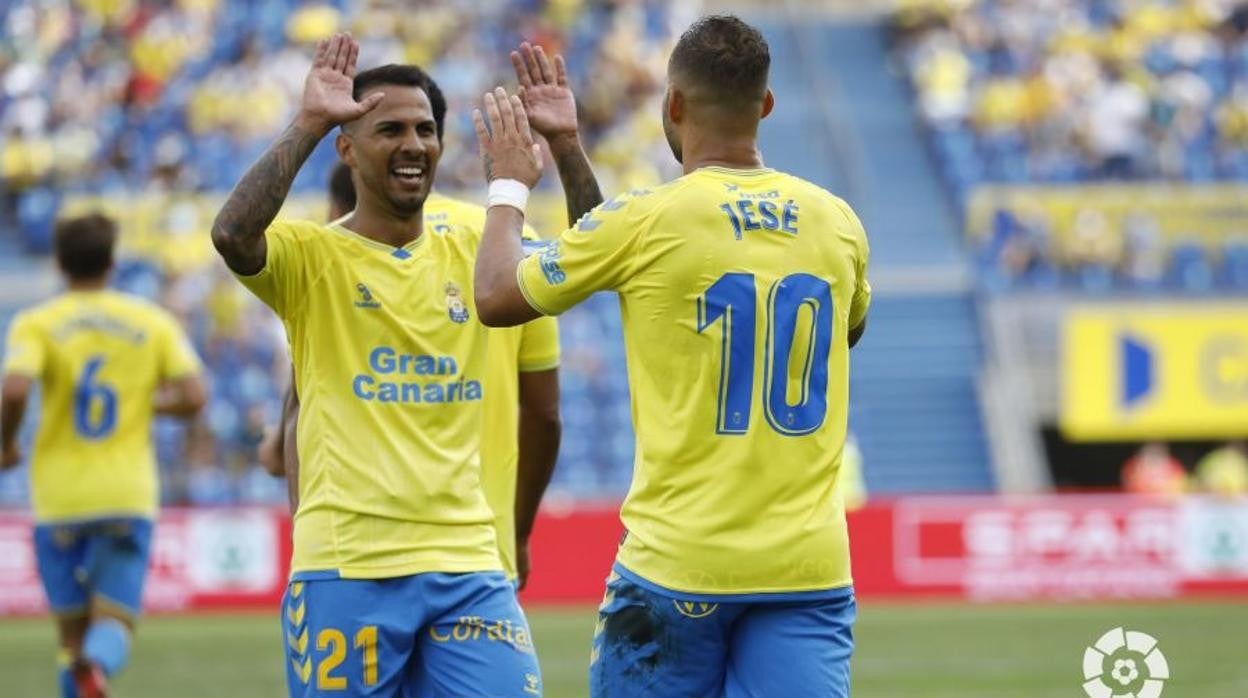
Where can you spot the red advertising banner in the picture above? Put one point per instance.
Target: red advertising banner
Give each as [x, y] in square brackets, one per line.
[201, 559]
[1057, 548]
[981, 548]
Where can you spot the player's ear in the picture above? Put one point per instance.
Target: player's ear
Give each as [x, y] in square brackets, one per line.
[674, 103]
[769, 102]
[346, 152]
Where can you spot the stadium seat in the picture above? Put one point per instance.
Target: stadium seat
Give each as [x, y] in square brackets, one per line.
[1235, 265]
[1190, 269]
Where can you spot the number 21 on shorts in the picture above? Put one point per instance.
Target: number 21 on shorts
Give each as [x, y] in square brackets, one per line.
[334, 641]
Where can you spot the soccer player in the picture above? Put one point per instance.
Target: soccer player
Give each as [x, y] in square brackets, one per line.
[106, 362]
[517, 463]
[741, 290]
[396, 582]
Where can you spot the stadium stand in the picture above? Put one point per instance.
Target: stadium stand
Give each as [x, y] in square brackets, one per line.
[1074, 93]
[151, 110]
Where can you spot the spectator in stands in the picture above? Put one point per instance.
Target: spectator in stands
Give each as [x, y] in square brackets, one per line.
[1224, 471]
[1144, 254]
[1115, 125]
[1153, 471]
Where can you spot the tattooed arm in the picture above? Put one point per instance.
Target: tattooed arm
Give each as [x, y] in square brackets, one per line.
[238, 231]
[580, 187]
[551, 109]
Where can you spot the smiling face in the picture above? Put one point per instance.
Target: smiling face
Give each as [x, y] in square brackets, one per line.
[394, 150]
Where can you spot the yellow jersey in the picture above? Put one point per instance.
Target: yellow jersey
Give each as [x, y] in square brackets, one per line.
[99, 357]
[530, 347]
[737, 290]
[390, 365]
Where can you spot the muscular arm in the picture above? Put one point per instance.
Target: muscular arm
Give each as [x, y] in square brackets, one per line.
[500, 303]
[13, 398]
[182, 397]
[238, 231]
[540, 432]
[580, 187]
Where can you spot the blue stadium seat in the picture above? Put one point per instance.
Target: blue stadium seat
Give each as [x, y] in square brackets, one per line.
[36, 214]
[1235, 265]
[1191, 270]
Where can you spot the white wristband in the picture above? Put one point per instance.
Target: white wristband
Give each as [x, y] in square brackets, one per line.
[508, 192]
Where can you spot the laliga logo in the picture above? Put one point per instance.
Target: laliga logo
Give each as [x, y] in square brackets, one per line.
[1124, 664]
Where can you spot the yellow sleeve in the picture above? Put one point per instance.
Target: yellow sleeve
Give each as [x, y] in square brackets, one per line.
[24, 352]
[862, 287]
[277, 284]
[177, 356]
[596, 254]
[539, 345]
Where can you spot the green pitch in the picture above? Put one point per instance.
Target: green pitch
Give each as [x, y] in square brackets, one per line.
[924, 651]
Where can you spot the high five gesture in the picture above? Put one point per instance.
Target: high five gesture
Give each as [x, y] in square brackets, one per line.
[327, 100]
[238, 231]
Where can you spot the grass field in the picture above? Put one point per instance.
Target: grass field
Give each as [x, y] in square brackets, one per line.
[924, 651]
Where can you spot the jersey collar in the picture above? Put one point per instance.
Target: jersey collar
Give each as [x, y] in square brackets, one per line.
[404, 252]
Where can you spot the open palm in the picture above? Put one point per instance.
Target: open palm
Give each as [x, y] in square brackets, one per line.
[548, 101]
[327, 95]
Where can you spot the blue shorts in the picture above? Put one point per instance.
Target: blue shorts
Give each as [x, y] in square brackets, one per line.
[100, 561]
[654, 642]
[431, 635]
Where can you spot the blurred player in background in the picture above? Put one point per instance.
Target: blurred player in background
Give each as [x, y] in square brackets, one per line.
[106, 363]
[394, 547]
[742, 290]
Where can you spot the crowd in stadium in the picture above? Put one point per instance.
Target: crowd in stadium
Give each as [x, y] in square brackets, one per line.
[173, 98]
[1085, 91]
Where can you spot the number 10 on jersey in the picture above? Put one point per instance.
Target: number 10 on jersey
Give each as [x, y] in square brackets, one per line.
[733, 300]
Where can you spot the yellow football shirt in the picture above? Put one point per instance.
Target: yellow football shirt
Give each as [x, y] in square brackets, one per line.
[737, 290]
[390, 371]
[528, 348]
[99, 357]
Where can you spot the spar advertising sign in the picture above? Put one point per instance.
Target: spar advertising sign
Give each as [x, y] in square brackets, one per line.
[1059, 548]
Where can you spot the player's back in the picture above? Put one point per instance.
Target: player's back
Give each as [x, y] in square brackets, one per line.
[512, 350]
[99, 357]
[744, 287]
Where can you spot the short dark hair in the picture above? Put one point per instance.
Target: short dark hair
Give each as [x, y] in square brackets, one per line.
[404, 76]
[84, 246]
[725, 57]
[341, 188]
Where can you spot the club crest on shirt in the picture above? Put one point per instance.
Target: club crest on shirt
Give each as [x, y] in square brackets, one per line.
[455, 306]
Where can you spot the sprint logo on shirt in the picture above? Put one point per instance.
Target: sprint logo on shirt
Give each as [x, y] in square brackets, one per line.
[413, 378]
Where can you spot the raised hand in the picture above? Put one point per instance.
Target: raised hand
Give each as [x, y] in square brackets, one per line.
[327, 100]
[507, 147]
[544, 91]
